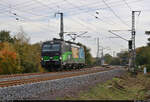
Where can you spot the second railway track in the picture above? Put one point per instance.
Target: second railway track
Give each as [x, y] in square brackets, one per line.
[38, 77]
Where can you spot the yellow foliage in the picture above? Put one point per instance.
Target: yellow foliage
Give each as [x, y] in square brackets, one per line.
[9, 62]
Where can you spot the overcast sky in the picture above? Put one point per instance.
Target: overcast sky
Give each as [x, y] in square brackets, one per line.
[38, 20]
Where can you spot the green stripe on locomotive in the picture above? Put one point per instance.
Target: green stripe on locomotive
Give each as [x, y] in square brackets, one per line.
[56, 58]
[47, 58]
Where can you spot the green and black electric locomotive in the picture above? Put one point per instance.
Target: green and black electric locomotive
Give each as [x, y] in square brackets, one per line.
[60, 54]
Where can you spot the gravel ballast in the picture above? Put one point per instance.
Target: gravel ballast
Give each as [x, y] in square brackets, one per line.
[27, 91]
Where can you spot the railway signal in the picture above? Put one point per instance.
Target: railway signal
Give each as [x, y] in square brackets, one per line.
[130, 44]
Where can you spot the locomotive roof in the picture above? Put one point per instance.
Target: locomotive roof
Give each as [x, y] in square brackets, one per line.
[61, 41]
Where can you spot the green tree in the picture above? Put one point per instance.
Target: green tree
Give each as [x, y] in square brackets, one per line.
[88, 56]
[5, 36]
[115, 61]
[143, 56]
[148, 33]
[108, 58]
[123, 56]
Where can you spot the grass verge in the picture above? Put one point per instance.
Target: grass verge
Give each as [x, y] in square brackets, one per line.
[126, 87]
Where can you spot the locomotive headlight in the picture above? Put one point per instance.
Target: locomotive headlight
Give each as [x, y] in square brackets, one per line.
[60, 58]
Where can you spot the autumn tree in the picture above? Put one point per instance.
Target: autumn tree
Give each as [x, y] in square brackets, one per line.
[17, 55]
[9, 63]
[29, 54]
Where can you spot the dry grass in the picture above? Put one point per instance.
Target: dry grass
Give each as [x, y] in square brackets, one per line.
[126, 87]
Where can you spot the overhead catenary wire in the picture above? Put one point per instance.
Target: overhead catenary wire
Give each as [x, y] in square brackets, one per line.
[88, 27]
[105, 36]
[115, 13]
[71, 3]
[112, 4]
[28, 19]
[46, 6]
[117, 35]
[41, 3]
[94, 8]
[67, 8]
[79, 9]
[127, 5]
[23, 11]
[24, 20]
[107, 21]
[30, 3]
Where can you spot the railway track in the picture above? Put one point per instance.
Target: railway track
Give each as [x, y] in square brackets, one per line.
[19, 79]
[28, 74]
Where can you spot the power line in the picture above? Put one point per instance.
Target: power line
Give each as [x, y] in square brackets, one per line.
[118, 35]
[25, 4]
[24, 19]
[48, 6]
[88, 27]
[104, 18]
[30, 4]
[114, 13]
[93, 8]
[24, 11]
[127, 5]
[41, 3]
[112, 4]
[56, 3]
[79, 9]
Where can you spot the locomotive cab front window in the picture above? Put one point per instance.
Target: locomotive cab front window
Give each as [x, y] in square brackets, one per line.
[51, 47]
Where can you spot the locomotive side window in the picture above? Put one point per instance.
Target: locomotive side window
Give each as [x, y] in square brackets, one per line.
[51, 47]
